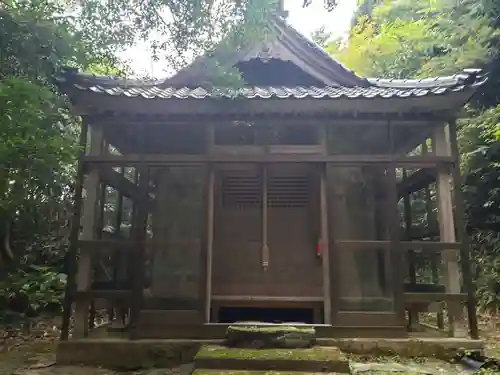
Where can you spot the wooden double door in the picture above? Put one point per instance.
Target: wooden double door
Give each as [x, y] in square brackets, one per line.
[266, 233]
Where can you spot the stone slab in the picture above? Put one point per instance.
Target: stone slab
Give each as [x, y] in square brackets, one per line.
[442, 348]
[126, 354]
[246, 372]
[283, 336]
[316, 359]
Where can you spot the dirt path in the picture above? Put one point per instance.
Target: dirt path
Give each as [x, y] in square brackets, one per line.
[34, 354]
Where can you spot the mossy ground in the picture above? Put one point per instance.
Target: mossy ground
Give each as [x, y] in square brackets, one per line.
[311, 354]
[233, 372]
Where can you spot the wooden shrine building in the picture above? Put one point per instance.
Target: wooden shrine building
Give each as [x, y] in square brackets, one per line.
[288, 199]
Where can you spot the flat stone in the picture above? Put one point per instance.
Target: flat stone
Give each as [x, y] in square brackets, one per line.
[279, 336]
[442, 348]
[126, 354]
[316, 359]
[245, 372]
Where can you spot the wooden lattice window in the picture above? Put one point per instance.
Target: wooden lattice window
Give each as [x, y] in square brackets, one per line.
[288, 191]
[241, 190]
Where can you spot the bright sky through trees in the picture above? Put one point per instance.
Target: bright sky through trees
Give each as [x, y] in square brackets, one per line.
[306, 20]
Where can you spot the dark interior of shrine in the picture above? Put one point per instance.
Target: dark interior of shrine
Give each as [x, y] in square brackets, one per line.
[266, 315]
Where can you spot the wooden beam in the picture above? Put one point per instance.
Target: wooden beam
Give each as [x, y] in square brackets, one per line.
[451, 268]
[411, 256]
[139, 271]
[210, 240]
[426, 246]
[434, 297]
[396, 255]
[265, 246]
[71, 257]
[465, 251]
[111, 109]
[125, 120]
[119, 182]
[96, 261]
[417, 181]
[90, 207]
[266, 298]
[432, 226]
[100, 245]
[325, 252]
[419, 161]
[395, 244]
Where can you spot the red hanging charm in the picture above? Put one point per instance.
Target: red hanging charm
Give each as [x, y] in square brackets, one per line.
[318, 248]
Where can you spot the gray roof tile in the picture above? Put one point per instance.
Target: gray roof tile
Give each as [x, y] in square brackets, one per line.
[298, 92]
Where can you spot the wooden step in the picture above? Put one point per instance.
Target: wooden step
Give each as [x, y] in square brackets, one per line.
[367, 319]
[166, 318]
[317, 359]
[375, 332]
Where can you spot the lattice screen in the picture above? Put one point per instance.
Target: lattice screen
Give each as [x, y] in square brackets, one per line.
[241, 190]
[244, 190]
[288, 191]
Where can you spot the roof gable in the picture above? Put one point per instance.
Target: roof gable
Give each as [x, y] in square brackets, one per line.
[304, 61]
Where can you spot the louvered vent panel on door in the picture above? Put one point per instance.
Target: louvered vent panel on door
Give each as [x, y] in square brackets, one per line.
[288, 191]
[241, 190]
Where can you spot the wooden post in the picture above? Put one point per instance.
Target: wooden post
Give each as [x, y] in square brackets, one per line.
[412, 315]
[462, 234]
[117, 256]
[73, 238]
[90, 206]
[394, 233]
[327, 303]
[432, 225]
[139, 234]
[96, 257]
[451, 273]
[139, 272]
[265, 247]
[210, 239]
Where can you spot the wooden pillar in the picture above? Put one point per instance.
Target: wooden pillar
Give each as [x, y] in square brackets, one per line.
[451, 268]
[90, 207]
[210, 240]
[265, 246]
[432, 227]
[394, 232]
[412, 314]
[117, 255]
[139, 235]
[96, 257]
[465, 255]
[71, 266]
[327, 304]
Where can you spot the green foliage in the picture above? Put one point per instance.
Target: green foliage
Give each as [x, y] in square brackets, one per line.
[28, 291]
[406, 39]
[38, 149]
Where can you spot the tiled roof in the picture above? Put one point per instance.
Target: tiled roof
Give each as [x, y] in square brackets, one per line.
[311, 92]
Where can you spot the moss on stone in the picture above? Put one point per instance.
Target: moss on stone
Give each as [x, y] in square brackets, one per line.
[125, 355]
[271, 329]
[270, 336]
[242, 372]
[309, 354]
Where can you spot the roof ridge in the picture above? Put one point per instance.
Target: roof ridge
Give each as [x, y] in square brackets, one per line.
[468, 76]
[315, 46]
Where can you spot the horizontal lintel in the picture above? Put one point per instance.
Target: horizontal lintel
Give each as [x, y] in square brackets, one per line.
[430, 246]
[421, 161]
